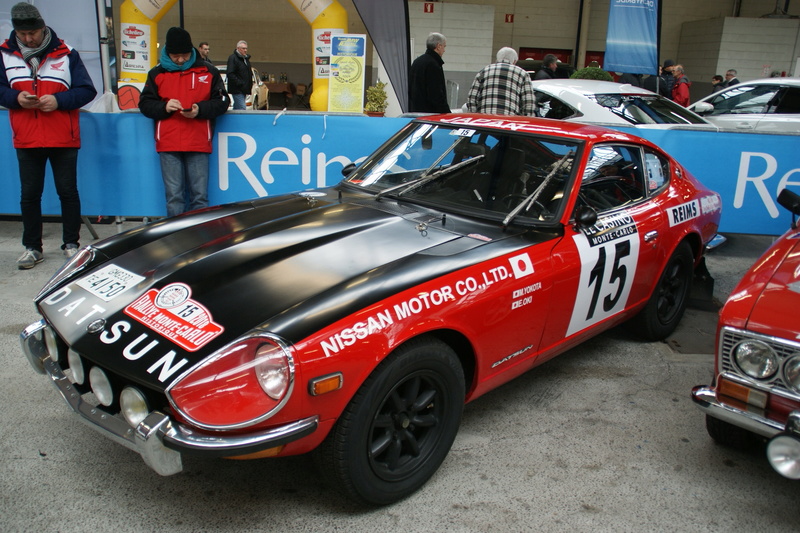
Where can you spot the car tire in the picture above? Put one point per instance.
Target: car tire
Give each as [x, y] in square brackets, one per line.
[399, 427]
[727, 434]
[666, 305]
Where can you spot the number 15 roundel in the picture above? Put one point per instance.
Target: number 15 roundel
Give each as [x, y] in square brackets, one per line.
[609, 253]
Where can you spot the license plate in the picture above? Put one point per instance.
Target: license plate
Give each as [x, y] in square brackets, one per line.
[109, 282]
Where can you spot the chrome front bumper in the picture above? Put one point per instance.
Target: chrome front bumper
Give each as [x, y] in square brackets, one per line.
[705, 398]
[158, 439]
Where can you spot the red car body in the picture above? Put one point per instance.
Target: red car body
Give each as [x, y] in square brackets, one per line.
[357, 320]
[756, 389]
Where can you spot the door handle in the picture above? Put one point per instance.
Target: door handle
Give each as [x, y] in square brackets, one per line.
[650, 236]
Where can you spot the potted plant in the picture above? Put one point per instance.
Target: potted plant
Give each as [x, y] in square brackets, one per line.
[376, 100]
[592, 73]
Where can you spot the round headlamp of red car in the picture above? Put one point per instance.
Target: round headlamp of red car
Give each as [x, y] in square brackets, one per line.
[240, 385]
[791, 373]
[756, 359]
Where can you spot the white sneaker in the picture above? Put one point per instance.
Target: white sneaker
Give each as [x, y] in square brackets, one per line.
[29, 259]
[70, 250]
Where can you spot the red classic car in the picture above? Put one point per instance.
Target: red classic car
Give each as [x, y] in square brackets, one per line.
[756, 389]
[357, 320]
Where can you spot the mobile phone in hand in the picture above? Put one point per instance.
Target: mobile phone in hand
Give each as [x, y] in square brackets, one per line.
[187, 109]
[31, 97]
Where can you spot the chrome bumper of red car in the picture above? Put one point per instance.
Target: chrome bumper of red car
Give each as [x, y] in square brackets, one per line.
[706, 399]
[158, 439]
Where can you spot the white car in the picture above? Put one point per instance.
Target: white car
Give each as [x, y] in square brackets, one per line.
[608, 103]
[768, 105]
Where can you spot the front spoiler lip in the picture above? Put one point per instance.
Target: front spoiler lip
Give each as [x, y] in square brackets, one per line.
[158, 439]
[705, 398]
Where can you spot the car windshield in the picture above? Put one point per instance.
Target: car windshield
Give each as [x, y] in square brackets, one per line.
[646, 109]
[472, 171]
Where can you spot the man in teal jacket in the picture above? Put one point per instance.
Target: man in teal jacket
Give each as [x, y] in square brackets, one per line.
[183, 94]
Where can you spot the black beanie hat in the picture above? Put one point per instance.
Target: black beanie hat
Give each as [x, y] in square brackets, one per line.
[25, 17]
[178, 41]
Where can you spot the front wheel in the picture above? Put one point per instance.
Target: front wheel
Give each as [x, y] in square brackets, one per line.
[666, 305]
[731, 436]
[399, 426]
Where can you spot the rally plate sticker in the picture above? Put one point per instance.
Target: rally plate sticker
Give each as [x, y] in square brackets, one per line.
[109, 282]
[172, 313]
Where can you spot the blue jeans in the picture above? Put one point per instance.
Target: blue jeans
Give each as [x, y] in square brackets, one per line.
[64, 164]
[239, 101]
[185, 176]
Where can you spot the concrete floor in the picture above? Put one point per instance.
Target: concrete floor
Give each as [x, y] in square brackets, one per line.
[603, 438]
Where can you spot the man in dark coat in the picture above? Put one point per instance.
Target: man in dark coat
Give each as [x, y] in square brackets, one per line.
[427, 90]
[548, 70]
[240, 75]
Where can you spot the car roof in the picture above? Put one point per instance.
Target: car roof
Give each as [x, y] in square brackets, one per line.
[578, 131]
[586, 87]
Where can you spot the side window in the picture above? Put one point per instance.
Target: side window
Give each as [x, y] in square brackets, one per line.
[551, 107]
[790, 103]
[744, 100]
[613, 178]
[657, 170]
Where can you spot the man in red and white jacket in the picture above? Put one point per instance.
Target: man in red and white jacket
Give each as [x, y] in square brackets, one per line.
[183, 94]
[44, 83]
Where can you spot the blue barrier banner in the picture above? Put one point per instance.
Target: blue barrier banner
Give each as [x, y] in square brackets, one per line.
[748, 170]
[263, 154]
[631, 38]
[255, 155]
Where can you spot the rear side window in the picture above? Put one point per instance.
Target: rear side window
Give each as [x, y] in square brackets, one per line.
[551, 107]
[744, 99]
[657, 170]
[790, 101]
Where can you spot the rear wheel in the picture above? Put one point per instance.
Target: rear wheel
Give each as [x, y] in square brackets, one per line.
[666, 305]
[399, 427]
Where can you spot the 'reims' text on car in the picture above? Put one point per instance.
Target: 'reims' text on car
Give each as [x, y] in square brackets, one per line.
[755, 394]
[355, 321]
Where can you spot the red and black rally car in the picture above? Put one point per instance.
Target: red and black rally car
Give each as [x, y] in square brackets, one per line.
[756, 389]
[357, 320]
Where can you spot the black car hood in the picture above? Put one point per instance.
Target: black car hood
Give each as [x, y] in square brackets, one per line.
[291, 265]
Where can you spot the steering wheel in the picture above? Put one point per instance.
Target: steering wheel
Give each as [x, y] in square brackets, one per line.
[509, 203]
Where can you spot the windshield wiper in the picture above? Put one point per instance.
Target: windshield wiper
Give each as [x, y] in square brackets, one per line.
[532, 197]
[427, 178]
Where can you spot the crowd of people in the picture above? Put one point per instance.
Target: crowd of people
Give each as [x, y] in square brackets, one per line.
[185, 93]
[44, 83]
[503, 87]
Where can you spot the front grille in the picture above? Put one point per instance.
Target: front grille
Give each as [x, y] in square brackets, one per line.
[783, 348]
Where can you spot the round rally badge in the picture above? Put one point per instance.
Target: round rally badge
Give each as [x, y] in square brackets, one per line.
[172, 295]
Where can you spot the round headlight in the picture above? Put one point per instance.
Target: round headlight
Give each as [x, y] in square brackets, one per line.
[101, 386]
[791, 371]
[76, 365]
[756, 359]
[134, 405]
[272, 370]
